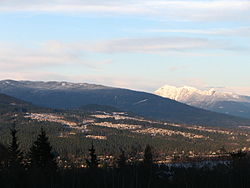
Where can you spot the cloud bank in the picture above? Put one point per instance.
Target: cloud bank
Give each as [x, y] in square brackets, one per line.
[58, 54]
[190, 10]
[159, 45]
[226, 32]
[48, 54]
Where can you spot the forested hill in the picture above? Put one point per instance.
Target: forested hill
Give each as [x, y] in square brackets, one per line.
[10, 104]
[72, 131]
[72, 95]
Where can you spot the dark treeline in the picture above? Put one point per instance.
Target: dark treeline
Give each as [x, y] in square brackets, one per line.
[39, 169]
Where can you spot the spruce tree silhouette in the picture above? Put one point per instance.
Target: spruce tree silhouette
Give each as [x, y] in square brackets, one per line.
[121, 162]
[93, 162]
[147, 167]
[15, 154]
[4, 154]
[148, 157]
[41, 153]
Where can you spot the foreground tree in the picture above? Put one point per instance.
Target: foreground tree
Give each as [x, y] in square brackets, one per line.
[3, 156]
[122, 160]
[93, 162]
[41, 155]
[148, 157]
[15, 154]
[147, 167]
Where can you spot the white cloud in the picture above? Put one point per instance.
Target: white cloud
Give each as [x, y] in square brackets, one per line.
[49, 54]
[162, 45]
[55, 54]
[218, 10]
[238, 32]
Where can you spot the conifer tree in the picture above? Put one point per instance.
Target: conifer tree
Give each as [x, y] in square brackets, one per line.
[147, 166]
[148, 156]
[121, 162]
[93, 162]
[41, 153]
[3, 155]
[15, 154]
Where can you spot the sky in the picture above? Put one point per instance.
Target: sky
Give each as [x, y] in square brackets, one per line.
[140, 45]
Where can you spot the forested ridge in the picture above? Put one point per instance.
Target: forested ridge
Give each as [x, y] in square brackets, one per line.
[39, 167]
[68, 140]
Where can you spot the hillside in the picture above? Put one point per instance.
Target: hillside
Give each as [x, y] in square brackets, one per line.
[72, 132]
[11, 104]
[63, 95]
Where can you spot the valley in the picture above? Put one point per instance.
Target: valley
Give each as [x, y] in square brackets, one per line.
[125, 94]
[71, 133]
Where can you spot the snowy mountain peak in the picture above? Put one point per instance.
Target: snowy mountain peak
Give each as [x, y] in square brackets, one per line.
[218, 101]
[196, 97]
[182, 93]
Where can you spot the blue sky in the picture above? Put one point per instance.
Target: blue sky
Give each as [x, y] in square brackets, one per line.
[134, 44]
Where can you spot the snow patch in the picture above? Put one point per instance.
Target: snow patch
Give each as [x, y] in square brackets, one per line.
[141, 101]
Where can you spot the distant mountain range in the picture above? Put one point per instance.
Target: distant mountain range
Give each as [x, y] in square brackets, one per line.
[223, 102]
[64, 95]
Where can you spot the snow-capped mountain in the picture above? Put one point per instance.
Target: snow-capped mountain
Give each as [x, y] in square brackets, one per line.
[224, 102]
[66, 95]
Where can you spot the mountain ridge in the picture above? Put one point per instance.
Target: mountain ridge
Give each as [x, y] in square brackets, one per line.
[208, 99]
[141, 103]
